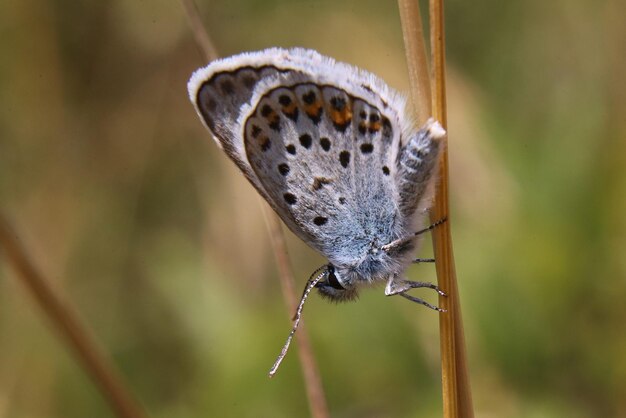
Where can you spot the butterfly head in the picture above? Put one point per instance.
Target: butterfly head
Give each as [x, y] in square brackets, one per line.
[335, 287]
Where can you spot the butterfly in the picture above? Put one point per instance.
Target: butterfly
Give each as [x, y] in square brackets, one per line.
[335, 153]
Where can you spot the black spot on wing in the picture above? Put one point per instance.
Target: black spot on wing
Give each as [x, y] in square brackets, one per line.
[367, 148]
[309, 98]
[266, 110]
[344, 158]
[284, 100]
[325, 143]
[320, 220]
[338, 103]
[306, 141]
[290, 198]
[275, 125]
[283, 169]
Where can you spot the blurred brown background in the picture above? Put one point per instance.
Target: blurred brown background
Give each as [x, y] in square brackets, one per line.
[129, 207]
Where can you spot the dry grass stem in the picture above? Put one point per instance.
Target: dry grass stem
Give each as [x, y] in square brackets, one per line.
[312, 379]
[197, 28]
[456, 384]
[74, 333]
[415, 50]
[457, 400]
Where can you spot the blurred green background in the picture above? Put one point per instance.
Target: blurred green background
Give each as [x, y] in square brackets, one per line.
[126, 204]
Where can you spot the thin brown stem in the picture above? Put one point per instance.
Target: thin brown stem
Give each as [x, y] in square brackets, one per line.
[456, 386]
[457, 400]
[59, 311]
[312, 379]
[199, 32]
[415, 50]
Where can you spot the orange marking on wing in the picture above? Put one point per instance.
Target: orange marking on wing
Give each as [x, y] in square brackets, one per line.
[374, 127]
[290, 108]
[313, 109]
[272, 116]
[341, 117]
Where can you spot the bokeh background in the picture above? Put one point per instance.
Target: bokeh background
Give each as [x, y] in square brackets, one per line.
[129, 207]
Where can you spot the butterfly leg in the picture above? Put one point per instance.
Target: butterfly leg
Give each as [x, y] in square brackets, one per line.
[399, 242]
[400, 287]
[430, 227]
[422, 302]
[395, 286]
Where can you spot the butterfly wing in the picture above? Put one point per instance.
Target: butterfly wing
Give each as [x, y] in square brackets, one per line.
[320, 140]
[324, 141]
[220, 90]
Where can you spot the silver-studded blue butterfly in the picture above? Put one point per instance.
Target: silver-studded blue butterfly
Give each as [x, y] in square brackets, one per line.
[331, 148]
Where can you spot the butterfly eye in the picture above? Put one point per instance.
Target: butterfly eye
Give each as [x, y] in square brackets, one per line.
[332, 279]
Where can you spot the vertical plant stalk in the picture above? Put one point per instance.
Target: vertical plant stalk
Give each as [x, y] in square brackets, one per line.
[457, 401]
[312, 379]
[90, 355]
[417, 63]
[451, 325]
[197, 28]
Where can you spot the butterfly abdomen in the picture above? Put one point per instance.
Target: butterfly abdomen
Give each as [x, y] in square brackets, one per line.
[417, 162]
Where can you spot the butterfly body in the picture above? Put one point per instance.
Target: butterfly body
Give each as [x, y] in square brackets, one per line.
[331, 149]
